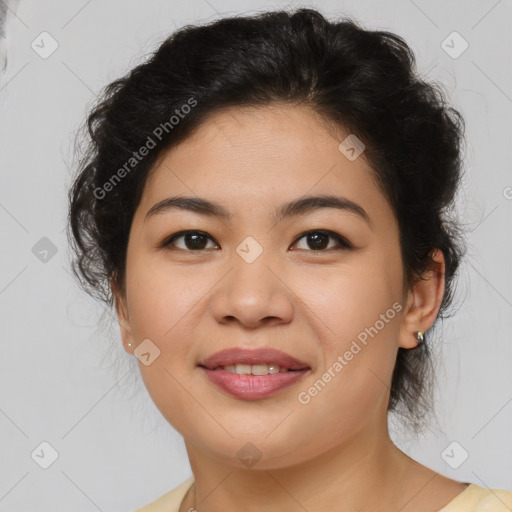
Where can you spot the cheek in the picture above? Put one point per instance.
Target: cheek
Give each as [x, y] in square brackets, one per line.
[357, 323]
[347, 301]
[162, 306]
[159, 299]
[356, 316]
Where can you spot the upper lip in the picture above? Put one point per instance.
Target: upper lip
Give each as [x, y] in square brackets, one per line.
[232, 356]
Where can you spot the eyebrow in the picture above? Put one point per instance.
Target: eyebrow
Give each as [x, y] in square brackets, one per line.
[300, 206]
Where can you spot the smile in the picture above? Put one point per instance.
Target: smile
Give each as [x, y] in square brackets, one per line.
[251, 374]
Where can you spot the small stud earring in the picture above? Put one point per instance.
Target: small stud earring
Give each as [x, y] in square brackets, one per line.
[129, 344]
[420, 337]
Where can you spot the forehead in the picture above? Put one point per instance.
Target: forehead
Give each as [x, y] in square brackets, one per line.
[263, 155]
[275, 133]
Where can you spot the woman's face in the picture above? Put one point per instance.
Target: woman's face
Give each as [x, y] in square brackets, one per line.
[255, 279]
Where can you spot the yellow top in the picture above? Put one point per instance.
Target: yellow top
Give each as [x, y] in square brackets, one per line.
[473, 499]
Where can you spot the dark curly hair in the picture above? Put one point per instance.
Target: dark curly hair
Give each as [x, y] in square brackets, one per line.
[360, 79]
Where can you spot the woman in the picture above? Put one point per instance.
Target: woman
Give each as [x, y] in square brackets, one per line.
[266, 201]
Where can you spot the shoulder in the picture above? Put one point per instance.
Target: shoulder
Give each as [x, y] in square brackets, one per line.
[169, 502]
[480, 499]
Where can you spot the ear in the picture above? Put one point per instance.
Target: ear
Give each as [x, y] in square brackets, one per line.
[123, 317]
[423, 302]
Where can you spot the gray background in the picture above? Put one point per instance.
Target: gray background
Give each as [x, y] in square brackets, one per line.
[65, 379]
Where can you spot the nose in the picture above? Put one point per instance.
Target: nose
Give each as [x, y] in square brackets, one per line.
[253, 294]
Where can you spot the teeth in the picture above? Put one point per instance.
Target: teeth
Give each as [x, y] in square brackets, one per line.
[254, 369]
[243, 369]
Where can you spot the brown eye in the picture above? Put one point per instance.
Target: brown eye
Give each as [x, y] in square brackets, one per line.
[193, 240]
[318, 240]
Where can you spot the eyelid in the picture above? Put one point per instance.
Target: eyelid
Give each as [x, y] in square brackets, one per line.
[343, 243]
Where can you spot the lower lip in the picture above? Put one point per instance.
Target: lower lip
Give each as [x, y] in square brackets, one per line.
[252, 387]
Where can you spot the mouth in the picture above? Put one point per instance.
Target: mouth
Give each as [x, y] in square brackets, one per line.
[252, 374]
[260, 361]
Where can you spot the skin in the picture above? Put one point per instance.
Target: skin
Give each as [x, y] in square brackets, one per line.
[335, 450]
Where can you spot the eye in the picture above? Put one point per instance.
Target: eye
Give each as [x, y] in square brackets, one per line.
[198, 240]
[318, 238]
[194, 240]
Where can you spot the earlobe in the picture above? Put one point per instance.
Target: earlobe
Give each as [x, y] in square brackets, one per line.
[122, 317]
[423, 303]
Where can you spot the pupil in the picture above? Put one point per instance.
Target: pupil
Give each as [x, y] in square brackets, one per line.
[197, 241]
[315, 238]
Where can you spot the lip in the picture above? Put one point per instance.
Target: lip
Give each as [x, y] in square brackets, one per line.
[232, 356]
[252, 387]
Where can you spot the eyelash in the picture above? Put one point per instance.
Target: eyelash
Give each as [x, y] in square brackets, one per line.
[343, 243]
